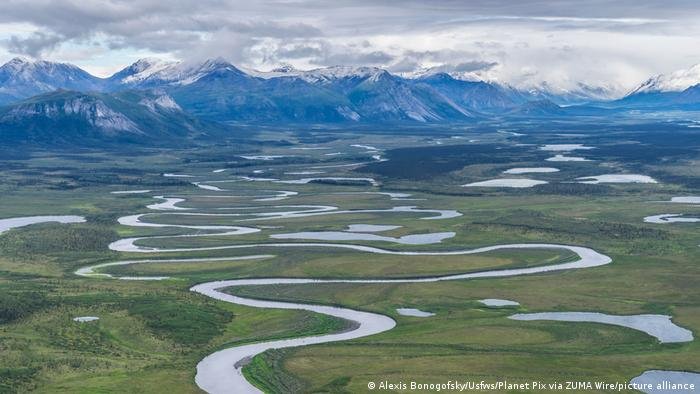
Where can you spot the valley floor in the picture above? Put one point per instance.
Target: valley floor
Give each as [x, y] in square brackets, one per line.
[230, 212]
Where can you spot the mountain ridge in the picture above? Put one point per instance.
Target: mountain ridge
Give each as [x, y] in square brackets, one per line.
[217, 90]
[64, 117]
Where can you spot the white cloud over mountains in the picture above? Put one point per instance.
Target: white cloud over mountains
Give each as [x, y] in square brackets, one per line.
[526, 43]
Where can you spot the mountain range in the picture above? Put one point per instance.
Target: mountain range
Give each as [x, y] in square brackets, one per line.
[153, 98]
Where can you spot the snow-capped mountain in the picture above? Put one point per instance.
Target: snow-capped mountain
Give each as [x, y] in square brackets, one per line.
[323, 95]
[140, 71]
[578, 94]
[382, 96]
[679, 90]
[215, 89]
[474, 95]
[676, 81]
[243, 98]
[283, 70]
[334, 74]
[149, 73]
[21, 78]
[426, 72]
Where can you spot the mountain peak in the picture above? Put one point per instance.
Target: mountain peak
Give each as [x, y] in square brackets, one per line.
[150, 72]
[21, 63]
[148, 62]
[216, 62]
[208, 66]
[15, 64]
[438, 76]
[22, 77]
[676, 81]
[379, 75]
[333, 73]
[141, 70]
[444, 70]
[20, 60]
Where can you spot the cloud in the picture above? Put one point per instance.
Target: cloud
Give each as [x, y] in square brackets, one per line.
[475, 65]
[405, 65]
[563, 41]
[298, 51]
[318, 53]
[33, 45]
[373, 58]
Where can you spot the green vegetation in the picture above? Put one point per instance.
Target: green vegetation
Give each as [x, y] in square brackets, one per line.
[267, 372]
[14, 306]
[185, 323]
[151, 335]
[53, 238]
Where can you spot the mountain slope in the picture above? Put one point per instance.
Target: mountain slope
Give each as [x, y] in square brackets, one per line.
[677, 90]
[537, 108]
[334, 94]
[676, 81]
[216, 90]
[228, 94]
[153, 73]
[474, 95]
[690, 95]
[385, 97]
[139, 73]
[86, 119]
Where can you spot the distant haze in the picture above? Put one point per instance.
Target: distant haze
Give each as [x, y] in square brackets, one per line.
[615, 45]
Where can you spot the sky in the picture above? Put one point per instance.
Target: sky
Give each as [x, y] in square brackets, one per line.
[526, 43]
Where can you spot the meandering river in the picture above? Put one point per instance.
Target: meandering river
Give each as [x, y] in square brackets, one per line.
[221, 372]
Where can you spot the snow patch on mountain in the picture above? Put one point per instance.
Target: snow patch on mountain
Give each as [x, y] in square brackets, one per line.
[676, 81]
[21, 78]
[161, 102]
[153, 72]
[283, 70]
[348, 113]
[145, 68]
[424, 72]
[578, 93]
[95, 112]
[334, 73]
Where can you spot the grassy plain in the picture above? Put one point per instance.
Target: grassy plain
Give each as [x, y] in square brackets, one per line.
[151, 334]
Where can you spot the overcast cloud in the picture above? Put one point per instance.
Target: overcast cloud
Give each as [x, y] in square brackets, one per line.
[525, 43]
